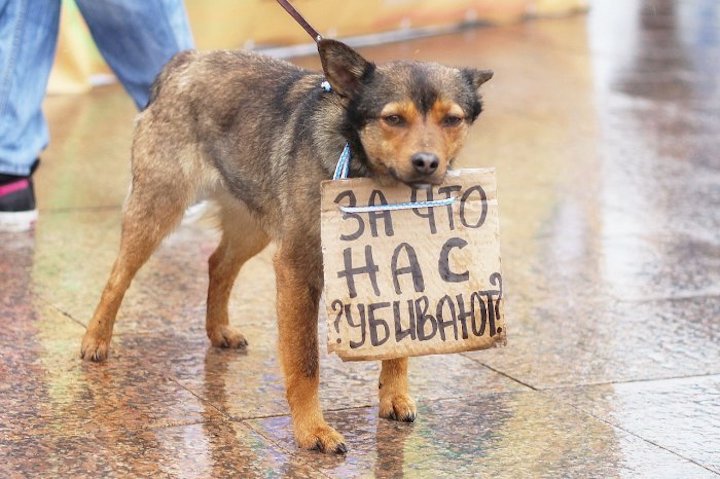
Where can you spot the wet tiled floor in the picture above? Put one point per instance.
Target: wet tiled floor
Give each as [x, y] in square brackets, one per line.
[605, 131]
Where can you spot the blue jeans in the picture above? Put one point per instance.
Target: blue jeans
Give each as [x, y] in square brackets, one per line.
[136, 38]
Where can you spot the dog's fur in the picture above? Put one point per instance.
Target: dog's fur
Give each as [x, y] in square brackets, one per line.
[258, 135]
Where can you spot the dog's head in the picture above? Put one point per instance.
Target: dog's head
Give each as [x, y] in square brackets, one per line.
[412, 118]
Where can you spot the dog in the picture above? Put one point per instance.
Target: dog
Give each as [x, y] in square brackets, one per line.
[258, 135]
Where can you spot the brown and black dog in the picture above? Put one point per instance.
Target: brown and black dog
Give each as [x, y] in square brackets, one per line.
[258, 135]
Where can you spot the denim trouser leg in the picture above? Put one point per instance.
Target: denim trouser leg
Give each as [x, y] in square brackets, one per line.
[28, 34]
[137, 37]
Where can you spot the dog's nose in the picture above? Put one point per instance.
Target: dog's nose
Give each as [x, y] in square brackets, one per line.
[425, 163]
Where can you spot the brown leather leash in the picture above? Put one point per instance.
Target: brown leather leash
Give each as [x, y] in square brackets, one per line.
[300, 19]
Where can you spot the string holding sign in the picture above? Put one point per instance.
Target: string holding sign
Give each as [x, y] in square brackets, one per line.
[399, 206]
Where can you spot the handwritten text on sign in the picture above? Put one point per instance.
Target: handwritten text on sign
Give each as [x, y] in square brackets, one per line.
[413, 281]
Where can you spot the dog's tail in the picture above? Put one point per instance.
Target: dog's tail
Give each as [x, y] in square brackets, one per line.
[176, 62]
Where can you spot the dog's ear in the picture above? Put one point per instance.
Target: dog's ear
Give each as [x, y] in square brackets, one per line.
[477, 77]
[344, 67]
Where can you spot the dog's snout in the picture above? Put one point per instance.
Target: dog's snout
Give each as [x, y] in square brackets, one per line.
[425, 163]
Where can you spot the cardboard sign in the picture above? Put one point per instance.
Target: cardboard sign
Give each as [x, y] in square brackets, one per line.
[416, 281]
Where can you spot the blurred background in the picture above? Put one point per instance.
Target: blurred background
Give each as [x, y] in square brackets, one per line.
[263, 25]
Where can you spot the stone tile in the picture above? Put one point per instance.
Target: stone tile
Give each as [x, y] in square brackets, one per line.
[47, 389]
[430, 378]
[566, 342]
[623, 267]
[249, 383]
[168, 293]
[208, 450]
[655, 179]
[16, 269]
[161, 297]
[503, 435]
[36, 323]
[239, 383]
[680, 415]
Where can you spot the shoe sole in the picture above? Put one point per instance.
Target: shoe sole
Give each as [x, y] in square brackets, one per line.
[17, 221]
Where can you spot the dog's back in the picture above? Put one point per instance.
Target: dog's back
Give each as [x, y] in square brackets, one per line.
[241, 117]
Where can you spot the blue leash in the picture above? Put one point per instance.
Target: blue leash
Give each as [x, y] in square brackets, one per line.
[342, 170]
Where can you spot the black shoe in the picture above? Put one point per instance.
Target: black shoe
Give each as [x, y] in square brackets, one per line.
[18, 211]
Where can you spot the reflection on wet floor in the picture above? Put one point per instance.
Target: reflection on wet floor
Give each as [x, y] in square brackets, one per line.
[605, 131]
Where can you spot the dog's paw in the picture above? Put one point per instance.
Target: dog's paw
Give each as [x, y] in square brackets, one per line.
[322, 438]
[399, 407]
[93, 348]
[227, 337]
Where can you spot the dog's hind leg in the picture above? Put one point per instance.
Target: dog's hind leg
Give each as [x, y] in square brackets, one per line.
[242, 238]
[154, 207]
[395, 402]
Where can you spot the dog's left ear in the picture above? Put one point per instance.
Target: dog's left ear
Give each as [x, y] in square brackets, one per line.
[477, 77]
[344, 67]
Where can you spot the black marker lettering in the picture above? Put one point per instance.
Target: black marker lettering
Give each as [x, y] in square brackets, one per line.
[483, 212]
[496, 280]
[352, 201]
[360, 325]
[337, 304]
[373, 216]
[422, 318]
[430, 215]
[444, 262]
[448, 191]
[413, 268]
[463, 315]
[401, 333]
[374, 323]
[478, 330]
[451, 319]
[349, 272]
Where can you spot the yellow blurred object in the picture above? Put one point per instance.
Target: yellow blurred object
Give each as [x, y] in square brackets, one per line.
[556, 8]
[261, 23]
[264, 23]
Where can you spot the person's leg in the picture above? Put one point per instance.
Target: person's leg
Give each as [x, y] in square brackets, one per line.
[28, 29]
[137, 37]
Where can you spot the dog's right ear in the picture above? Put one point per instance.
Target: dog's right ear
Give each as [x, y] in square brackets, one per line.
[344, 67]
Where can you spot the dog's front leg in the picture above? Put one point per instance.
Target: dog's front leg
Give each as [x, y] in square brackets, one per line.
[395, 402]
[299, 281]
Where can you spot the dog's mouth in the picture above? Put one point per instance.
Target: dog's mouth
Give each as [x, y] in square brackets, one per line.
[421, 183]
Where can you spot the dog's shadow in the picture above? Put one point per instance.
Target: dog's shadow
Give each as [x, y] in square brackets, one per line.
[390, 440]
[374, 444]
[231, 447]
[374, 449]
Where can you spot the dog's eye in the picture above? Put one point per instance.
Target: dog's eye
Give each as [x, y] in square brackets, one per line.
[394, 120]
[451, 120]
